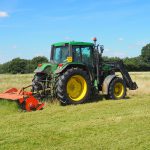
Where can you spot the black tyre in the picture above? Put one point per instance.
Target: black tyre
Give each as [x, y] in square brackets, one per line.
[73, 86]
[117, 89]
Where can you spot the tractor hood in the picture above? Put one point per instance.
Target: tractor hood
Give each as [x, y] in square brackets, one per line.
[46, 67]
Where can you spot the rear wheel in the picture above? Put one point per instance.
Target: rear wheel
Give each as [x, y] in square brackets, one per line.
[73, 87]
[117, 89]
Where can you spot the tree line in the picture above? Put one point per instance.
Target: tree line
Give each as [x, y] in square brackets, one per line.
[132, 64]
[139, 63]
[18, 65]
[22, 66]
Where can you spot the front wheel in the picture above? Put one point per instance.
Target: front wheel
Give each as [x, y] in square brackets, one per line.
[117, 89]
[73, 86]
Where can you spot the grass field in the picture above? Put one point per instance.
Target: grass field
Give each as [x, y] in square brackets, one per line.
[104, 124]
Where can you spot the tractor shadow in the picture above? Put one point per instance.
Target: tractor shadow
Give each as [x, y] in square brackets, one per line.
[94, 99]
[98, 98]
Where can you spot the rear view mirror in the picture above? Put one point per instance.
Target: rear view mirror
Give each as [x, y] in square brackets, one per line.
[101, 48]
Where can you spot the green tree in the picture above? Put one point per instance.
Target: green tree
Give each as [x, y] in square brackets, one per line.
[133, 64]
[4, 68]
[145, 53]
[38, 60]
[30, 67]
[1, 66]
[18, 65]
[111, 59]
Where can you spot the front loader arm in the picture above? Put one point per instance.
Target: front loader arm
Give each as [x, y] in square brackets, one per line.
[119, 66]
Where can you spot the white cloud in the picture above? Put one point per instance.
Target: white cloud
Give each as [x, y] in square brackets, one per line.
[67, 38]
[14, 46]
[107, 50]
[138, 44]
[3, 14]
[120, 39]
[119, 54]
[112, 53]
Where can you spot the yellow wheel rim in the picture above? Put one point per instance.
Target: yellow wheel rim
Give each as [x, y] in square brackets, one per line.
[118, 90]
[76, 87]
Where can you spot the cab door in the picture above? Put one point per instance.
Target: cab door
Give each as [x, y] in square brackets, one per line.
[84, 54]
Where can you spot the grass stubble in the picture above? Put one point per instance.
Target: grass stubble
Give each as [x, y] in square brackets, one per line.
[104, 124]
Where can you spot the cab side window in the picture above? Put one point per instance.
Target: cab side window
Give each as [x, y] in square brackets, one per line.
[76, 54]
[82, 54]
[86, 54]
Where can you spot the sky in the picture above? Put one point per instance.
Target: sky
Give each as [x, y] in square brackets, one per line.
[29, 27]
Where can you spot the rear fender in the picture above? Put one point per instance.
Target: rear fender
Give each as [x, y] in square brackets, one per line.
[106, 83]
[73, 65]
[45, 68]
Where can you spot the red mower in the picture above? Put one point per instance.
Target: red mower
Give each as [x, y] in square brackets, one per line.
[26, 99]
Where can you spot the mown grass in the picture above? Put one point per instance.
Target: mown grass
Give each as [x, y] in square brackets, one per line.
[105, 124]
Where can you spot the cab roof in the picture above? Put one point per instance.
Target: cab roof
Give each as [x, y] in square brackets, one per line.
[73, 43]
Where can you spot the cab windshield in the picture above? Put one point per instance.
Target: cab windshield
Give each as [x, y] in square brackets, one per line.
[60, 54]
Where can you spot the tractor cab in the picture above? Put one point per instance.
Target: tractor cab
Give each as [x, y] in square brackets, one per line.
[74, 51]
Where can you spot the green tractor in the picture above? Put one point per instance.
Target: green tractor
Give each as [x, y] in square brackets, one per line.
[76, 71]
